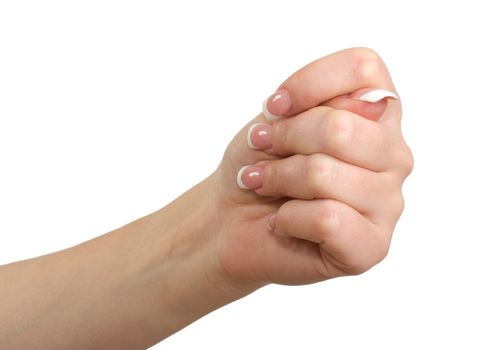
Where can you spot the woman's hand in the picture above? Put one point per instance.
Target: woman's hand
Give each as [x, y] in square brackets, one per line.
[325, 180]
[320, 200]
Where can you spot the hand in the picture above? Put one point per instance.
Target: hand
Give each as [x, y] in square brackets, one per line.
[327, 185]
[320, 200]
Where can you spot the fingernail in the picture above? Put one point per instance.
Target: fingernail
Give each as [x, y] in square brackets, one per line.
[275, 106]
[272, 222]
[376, 95]
[250, 177]
[259, 136]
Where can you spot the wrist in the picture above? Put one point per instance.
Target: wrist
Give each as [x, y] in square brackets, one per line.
[191, 282]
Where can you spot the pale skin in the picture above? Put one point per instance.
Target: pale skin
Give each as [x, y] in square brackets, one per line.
[329, 196]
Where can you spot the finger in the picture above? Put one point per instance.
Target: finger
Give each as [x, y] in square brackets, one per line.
[283, 260]
[341, 134]
[349, 242]
[368, 103]
[319, 176]
[334, 75]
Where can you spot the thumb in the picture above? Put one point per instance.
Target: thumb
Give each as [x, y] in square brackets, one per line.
[367, 102]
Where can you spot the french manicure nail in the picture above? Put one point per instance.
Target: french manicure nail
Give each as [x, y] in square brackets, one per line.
[259, 136]
[250, 177]
[376, 95]
[275, 106]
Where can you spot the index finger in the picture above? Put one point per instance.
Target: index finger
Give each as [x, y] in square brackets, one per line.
[334, 75]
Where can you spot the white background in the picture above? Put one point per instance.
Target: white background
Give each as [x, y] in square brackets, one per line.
[111, 109]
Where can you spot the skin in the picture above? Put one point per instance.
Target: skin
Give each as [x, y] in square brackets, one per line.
[336, 194]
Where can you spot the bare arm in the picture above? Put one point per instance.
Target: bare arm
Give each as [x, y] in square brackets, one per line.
[127, 289]
[319, 199]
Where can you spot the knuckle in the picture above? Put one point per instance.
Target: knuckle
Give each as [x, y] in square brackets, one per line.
[327, 219]
[407, 160]
[403, 160]
[357, 269]
[340, 130]
[271, 179]
[319, 175]
[398, 204]
[281, 130]
[375, 256]
[378, 246]
[390, 187]
[366, 64]
[383, 247]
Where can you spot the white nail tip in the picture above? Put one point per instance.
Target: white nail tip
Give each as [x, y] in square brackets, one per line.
[376, 95]
[267, 114]
[249, 133]
[239, 179]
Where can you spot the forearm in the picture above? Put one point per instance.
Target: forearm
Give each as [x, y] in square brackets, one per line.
[127, 289]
